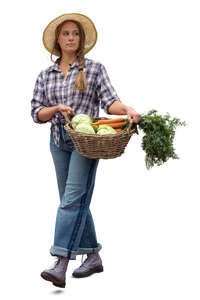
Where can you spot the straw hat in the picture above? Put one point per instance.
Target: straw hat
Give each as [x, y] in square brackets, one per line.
[88, 26]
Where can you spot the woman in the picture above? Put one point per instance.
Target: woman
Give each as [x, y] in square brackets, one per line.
[73, 84]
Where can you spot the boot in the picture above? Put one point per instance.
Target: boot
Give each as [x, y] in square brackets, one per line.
[92, 264]
[56, 274]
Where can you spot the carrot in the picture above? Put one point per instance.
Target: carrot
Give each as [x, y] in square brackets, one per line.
[101, 122]
[118, 125]
[110, 121]
[118, 129]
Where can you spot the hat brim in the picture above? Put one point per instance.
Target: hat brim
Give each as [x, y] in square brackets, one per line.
[87, 24]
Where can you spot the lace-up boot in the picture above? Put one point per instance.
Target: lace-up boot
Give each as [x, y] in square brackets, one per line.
[92, 264]
[56, 274]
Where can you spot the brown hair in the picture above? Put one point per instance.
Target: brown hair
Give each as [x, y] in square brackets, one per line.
[80, 82]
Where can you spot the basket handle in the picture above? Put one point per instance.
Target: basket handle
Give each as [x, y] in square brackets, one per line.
[66, 117]
[129, 128]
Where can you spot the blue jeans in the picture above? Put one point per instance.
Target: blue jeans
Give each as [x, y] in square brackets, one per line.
[74, 229]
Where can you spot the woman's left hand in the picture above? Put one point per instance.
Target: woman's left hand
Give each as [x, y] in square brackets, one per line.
[133, 116]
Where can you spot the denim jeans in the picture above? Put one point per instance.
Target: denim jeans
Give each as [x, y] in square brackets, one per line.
[74, 228]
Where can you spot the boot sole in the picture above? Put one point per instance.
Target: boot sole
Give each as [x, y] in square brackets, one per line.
[51, 278]
[88, 273]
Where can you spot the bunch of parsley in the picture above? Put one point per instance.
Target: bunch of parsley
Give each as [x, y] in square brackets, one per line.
[159, 132]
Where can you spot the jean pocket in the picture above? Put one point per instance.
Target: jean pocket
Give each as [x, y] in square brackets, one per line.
[67, 141]
[70, 145]
[65, 136]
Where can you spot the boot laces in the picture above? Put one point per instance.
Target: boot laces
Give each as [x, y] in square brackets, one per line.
[82, 262]
[55, 263]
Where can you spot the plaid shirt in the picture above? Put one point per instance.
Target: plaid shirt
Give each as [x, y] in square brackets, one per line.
[50, 90]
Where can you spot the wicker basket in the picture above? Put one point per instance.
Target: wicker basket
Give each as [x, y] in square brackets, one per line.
[99, 146]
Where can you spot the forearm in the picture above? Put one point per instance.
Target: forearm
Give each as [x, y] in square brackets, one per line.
[47, 113]
[118, 108]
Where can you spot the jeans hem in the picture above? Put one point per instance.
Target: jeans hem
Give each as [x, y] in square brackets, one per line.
[89, 250]
[59, 251]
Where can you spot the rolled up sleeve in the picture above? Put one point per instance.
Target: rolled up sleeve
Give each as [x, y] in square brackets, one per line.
[39, 100]
[105, 92]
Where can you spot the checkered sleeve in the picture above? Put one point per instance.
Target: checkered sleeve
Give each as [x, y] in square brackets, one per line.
[105, 91]
[39, 100]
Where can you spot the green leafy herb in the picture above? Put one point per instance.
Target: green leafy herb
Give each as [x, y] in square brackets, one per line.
[158, 139]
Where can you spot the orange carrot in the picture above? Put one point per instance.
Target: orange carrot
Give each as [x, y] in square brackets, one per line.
[101, 122]
[116, 120]
[118, 125]
[118, 129]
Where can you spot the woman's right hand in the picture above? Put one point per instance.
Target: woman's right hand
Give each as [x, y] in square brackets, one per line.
[61, 108]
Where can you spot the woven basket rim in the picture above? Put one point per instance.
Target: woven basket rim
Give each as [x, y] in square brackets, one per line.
[123, 132]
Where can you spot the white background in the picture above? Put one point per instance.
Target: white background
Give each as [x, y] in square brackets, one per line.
[146, 220]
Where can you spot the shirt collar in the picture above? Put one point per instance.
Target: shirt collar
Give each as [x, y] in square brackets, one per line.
[55, 66]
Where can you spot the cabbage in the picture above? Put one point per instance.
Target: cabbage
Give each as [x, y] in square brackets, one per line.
[79, 118]
[85, 128]
[102, 131]
[105, 131]
[106, 127]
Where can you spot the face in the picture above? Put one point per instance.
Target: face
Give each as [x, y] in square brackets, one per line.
[69, 37]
